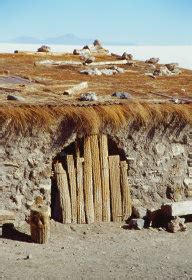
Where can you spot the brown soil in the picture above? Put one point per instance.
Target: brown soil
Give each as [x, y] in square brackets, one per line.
[105, 251]
[48, 83]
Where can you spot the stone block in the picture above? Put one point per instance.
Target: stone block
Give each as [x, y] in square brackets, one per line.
[188, 182]
[137, 223]
[177, 149]
[160, 149]
[139, 212]
[178, 224]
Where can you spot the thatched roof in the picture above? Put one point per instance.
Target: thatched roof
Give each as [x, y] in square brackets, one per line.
[43, 87]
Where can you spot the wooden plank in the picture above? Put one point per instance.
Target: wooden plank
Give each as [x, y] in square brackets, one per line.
[88, 186]
[126, 196]
[73, 187]
[96, 170]
[80, 192]
[103, 141]
[76, 89]
[62, 184]
[180, 208]
[116, 204]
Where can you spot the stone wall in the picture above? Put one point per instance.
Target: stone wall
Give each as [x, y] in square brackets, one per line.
[160, 162]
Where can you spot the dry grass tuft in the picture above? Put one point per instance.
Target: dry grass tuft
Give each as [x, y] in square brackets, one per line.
[90, 119]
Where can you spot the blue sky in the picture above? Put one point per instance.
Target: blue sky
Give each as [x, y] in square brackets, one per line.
[138, 21]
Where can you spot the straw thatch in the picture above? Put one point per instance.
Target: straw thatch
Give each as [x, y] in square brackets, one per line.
[90, 119]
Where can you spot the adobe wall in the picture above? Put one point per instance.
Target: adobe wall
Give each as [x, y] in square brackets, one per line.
[159, 165]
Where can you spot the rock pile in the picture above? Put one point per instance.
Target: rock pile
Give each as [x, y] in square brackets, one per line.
[169, 216]
[106, 71]
[90, 50]
[167, 70]
[44, 49]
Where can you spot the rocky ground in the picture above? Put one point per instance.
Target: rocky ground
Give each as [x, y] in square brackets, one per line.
[99, 251]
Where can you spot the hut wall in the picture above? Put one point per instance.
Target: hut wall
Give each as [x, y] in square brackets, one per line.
[159, 161]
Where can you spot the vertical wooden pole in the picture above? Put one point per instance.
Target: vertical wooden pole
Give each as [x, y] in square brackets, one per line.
[88, 186]
[64, 196]
[126, 199]
[80, 192]
[96, 169]
[116, 205]
[73, 187]
[105, 177]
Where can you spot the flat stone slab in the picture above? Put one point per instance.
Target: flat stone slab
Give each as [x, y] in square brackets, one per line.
[181, 208]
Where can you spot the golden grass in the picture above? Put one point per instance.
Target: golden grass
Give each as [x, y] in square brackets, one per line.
[89, 119]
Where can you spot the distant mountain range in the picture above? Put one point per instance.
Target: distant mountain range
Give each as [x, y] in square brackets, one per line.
[68, 39]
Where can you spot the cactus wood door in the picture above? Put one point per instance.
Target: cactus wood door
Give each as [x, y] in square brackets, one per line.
[92, 185]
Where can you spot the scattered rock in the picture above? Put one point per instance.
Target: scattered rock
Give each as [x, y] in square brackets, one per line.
[139, 212]
[106, 71]
[160, 149]
[6, 72]
[188, 182]
[172, 66]
[89, 60]
[127, 56]
[150, 75]
[97, 43]
[76, 52]
[91, 72]
[44, 49]
[89, 96]
[29, 257]
[15, 98]
[152, 60]
[136, 224]
[178, 224]
[162, 71]
[177, 150]
[122, 95]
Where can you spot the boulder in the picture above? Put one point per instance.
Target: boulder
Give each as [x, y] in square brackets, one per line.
[44, 48]
[15, 98]
[122, 95]
[76, 52]
[152, 60]
[162, 71]
[172, 66]
[136, 224]
[89, 96]
[91, 72]
[97, 43]
[89, 60]
[178, 224]
[139, 212]
[127, 56]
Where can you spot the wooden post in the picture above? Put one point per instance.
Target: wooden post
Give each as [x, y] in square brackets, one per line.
[105, 177]
[116, 205]
[40, 223]
[88, 186]
[96, 169]
[126, 199]
[80, 192]
[63, 188]
[73, 187]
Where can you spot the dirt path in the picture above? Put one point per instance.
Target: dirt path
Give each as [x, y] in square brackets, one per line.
[103, 251]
